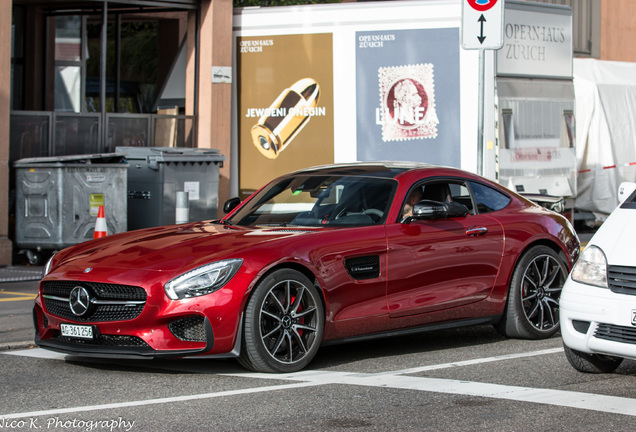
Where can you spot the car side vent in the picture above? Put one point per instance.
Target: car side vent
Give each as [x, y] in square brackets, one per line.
[364, 267]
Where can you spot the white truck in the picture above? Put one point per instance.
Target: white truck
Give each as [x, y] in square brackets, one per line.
[390, 81]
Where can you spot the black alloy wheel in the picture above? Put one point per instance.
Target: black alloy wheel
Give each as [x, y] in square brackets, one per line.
[284, 322]
[532, 310]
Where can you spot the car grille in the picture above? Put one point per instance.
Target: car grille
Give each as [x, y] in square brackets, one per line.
[622, 279]
[107, 340]
[616, 333]
[190, 329]
[56, 294]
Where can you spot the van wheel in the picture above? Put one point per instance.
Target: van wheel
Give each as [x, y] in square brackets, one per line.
[591, 363]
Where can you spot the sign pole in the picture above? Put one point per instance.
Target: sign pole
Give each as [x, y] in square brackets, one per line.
[480, 113]
[482, 29]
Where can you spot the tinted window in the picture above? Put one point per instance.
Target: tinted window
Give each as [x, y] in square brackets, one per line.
[488, 199]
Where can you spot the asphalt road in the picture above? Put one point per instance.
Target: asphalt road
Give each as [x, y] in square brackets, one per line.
[455, 380]
[16, 305]
[469, 379]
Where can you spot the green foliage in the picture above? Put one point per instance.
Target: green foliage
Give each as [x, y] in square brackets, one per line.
[243, 3]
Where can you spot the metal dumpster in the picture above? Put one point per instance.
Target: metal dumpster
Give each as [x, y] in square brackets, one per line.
[156, 174]
[57, 200]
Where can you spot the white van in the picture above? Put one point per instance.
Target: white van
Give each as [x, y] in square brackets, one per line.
[598, 302]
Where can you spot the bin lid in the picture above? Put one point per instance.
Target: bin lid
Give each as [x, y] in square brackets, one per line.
[82, 159]
[171, 154]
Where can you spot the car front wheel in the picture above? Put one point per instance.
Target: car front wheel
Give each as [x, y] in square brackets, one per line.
[591, 363]
[532, 310]
[284, 321]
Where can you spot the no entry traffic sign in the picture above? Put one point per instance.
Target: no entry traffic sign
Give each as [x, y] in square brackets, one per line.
[482, 24]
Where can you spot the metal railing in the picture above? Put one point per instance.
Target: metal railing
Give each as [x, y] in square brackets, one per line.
[47, 133]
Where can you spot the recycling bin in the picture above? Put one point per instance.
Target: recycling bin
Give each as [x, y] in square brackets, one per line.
[58, 199]
[156, 174]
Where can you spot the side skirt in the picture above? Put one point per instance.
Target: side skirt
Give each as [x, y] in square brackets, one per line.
[414, 330]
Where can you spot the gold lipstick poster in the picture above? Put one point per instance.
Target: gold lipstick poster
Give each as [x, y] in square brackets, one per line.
[285, 106]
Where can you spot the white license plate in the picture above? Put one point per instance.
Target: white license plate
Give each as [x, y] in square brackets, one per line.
[77, 331]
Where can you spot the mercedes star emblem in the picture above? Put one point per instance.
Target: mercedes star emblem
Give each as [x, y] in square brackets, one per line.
[79, 301]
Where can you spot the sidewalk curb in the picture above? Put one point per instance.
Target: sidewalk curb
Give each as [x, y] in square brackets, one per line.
[9, 346]
[10, 274]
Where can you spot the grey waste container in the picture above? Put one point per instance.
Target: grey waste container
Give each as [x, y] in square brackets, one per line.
[58, 198]
[156, 174]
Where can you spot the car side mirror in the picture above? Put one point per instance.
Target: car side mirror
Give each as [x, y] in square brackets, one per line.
[429, 210]
[231, 204]
[625, 190]
[455, 209]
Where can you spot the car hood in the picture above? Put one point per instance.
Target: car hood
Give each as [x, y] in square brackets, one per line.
[617, 236]
[172, 248]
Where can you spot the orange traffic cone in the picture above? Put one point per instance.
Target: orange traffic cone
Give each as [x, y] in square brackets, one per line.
[100, 224]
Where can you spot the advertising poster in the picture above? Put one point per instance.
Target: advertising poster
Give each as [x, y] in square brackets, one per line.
[285, 105]
[407, 96]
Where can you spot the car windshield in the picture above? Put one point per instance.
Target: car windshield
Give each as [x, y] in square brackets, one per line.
[318, 201]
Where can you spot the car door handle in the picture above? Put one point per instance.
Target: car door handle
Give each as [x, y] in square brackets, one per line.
[476, 231]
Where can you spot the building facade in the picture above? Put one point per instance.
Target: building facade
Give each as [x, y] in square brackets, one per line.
[87, 76]
[84, 77]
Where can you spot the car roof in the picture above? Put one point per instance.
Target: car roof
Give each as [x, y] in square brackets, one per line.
[389, 169]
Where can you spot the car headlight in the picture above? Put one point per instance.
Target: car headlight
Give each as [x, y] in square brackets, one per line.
[591, 267]
[48, 265]
[203, 280]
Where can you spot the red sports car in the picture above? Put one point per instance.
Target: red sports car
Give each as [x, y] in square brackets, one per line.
[323, 255]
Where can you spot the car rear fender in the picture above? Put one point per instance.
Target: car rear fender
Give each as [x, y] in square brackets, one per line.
[504, 280]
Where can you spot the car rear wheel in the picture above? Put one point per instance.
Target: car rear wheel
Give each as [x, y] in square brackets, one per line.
[532, 311]
[591, 363]
[284, 321]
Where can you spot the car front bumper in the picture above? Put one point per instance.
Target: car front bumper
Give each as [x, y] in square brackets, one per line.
[207, 325]
[598, 321]
[113, 346]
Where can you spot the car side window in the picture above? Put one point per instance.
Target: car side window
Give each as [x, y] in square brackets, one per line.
[414, 196]
[461, 194]
[488, 199]
[442, 191]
